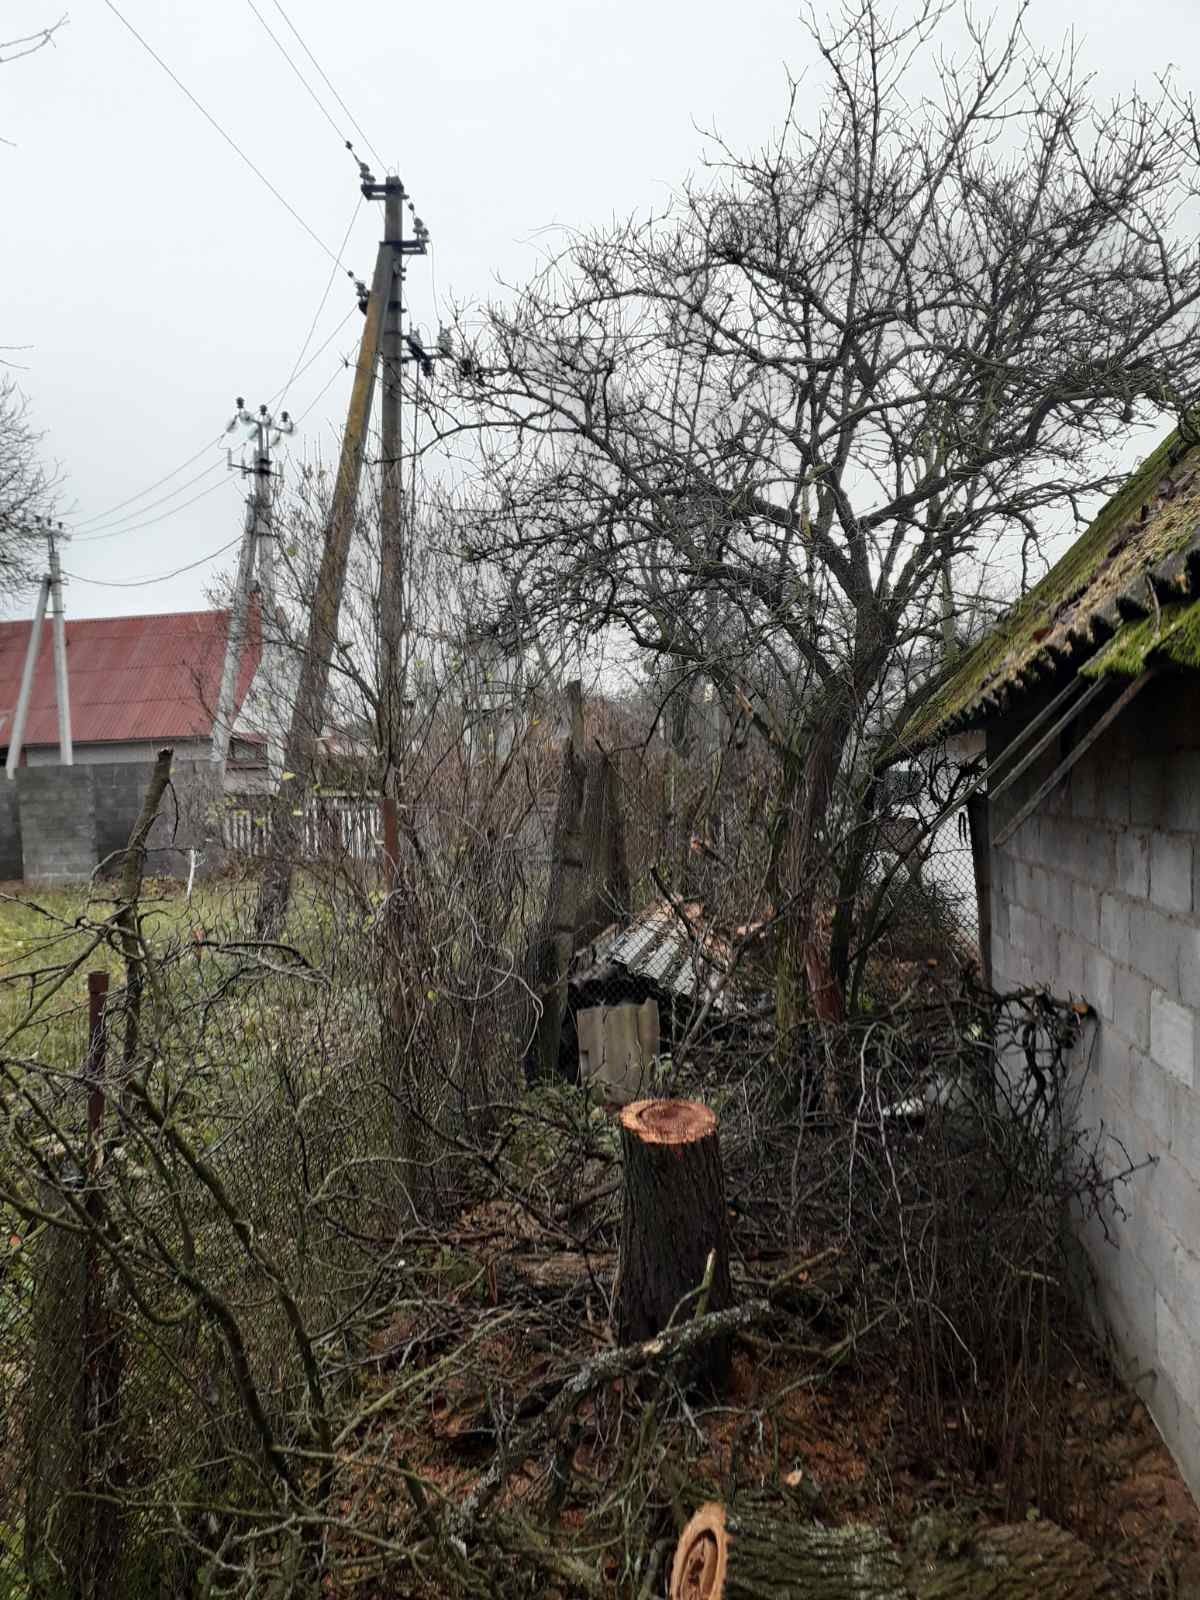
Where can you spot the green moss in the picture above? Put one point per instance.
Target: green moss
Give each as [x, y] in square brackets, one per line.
[1004, 650]
[1172, 636]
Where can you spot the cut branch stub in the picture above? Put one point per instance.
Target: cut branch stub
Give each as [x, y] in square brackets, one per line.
[674, 1258]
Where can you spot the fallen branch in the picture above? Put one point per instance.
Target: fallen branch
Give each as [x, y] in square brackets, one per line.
[665, 1350]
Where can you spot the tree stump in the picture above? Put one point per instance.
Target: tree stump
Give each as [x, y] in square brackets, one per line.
[727, 1554]
[673, 1218]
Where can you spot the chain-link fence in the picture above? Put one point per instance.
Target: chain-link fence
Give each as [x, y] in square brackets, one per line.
[200, 1232]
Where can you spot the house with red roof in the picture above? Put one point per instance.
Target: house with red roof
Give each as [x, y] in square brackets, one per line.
[135, 684]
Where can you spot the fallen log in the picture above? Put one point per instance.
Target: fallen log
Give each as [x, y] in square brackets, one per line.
[674, 1256]
[729, 1554]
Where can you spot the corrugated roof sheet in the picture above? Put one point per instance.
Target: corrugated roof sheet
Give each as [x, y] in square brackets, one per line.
[130, 678]
[1142, 553]
[671, 946]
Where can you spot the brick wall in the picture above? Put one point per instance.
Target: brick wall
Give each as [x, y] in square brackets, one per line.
[1098, 895]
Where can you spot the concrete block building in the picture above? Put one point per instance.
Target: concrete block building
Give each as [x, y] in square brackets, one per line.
[135, 685]
[1086, 700]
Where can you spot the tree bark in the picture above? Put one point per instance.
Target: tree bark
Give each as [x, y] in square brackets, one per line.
[726, 1554]
[588, 889]
[673, 1220]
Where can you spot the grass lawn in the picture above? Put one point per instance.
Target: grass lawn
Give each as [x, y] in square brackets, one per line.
[50, 939]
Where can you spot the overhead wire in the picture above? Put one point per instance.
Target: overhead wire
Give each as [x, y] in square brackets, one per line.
[280, 395]
[107, 530]
[309, 90]
[110, 530]
[102, 516]
[355, 124]
[160, 577]
[228, 138]
[320, 394]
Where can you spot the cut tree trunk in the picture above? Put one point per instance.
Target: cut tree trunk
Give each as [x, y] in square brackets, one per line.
[673, 1221]
[726, 1554]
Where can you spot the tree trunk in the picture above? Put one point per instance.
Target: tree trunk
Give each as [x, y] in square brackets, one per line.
[673, 1220]
[588, 889]
[726, 1554]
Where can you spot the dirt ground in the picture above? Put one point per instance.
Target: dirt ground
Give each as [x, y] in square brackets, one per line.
[833, 1446]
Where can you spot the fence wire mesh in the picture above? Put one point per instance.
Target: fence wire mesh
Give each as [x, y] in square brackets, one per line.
[189, 1285]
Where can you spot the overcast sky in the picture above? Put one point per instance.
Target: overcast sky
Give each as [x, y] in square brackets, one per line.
[152, 277]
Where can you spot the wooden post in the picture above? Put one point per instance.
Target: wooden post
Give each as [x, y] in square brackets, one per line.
[308, 709]
[731, 1553]
[674, 1257]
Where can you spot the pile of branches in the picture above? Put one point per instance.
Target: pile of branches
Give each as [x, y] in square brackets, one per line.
[316, 1298]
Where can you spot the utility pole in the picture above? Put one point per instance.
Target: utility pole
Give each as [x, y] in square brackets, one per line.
[393, 575]
[383, 305]
[308, 708]
[257, 550]
[50, 589]
[16, 738]
[62, 688]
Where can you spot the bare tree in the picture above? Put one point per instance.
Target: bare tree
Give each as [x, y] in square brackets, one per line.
[27, 45]
[25, 488]
[755, 434]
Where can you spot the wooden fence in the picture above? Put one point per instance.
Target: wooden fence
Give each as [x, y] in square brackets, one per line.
[334, 824]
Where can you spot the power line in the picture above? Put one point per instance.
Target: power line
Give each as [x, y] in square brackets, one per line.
[336, 373]
[160, 577]
[102, 516]
[281, 394]
[110, 530]
[311, 92]
[107, 531]
[228, 138]
[355, 124]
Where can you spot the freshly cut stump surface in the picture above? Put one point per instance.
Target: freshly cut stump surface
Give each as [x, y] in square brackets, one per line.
[726, 1554]
[673, 1217]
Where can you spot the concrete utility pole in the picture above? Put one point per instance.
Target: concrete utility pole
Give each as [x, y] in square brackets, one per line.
[257, 550]
[393, 575]
[62, 690]
[16, 737]
[50, 590]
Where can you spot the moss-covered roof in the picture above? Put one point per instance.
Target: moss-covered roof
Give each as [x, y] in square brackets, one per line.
[1139, 559]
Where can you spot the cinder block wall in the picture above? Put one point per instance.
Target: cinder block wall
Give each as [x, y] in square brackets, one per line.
[10, 830]
[58, 823]
[1098, 895]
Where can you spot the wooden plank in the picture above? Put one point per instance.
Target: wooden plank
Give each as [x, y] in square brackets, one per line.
[1050, 735]
[1084, 745]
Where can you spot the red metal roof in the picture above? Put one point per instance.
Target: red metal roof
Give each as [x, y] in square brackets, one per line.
[130, 678]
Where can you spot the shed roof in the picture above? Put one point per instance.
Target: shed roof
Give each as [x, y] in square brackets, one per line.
[130, 678]
[1120, 595]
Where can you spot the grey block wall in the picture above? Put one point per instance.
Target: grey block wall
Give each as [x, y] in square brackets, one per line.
[10, 830]
[1098, 895]
[58, 823]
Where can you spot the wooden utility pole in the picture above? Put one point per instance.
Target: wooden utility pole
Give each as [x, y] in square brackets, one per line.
[743, 1551]
[308, 710]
